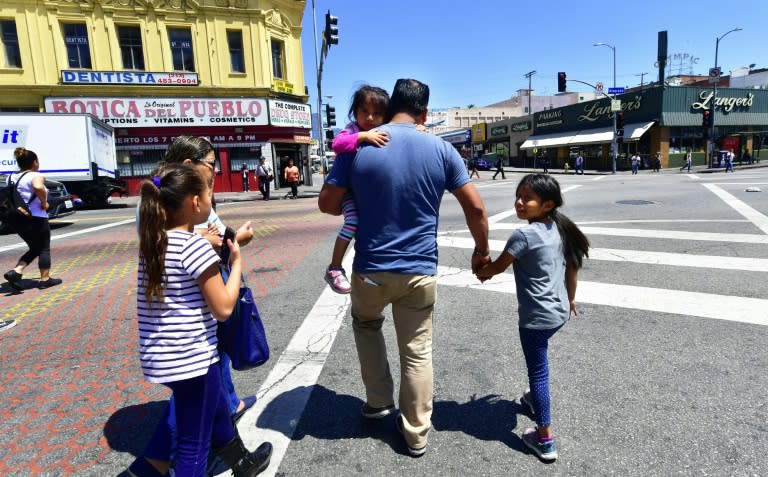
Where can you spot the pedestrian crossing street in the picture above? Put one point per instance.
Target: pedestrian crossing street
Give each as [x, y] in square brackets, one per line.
[299, 366]
[703, 305]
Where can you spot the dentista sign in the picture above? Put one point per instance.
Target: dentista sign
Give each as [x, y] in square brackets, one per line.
[725, 103]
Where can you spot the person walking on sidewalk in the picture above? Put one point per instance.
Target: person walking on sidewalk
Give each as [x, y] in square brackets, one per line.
[578, 167]
[546, 256]
[657, 162]
[473, 167]
[688, 162]
[291, 175]
[177, 315]
[34, 230]
[499, 168]
[396, 253]
[729, 160]
[264, 172]
[635, 163]
[244, 172]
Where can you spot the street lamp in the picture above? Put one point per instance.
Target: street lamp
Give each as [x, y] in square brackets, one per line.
[614, 147]
[714, 97]
[614, 59]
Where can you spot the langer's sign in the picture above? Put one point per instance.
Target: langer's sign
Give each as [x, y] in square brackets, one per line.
[725, 103]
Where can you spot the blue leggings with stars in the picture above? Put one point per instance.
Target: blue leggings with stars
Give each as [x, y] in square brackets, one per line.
[535, 344]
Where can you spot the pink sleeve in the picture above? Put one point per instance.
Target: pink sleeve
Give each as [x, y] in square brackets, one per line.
[345, 141]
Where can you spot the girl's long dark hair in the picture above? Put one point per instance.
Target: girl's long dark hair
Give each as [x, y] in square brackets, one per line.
[162, 195]
[575, 243]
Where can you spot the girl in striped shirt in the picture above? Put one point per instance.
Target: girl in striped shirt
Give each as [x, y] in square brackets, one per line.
[181, 295]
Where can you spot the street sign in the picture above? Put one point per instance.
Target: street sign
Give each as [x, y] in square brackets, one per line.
[619, 90]
[615, 105]
[599, 87]
[714, 75]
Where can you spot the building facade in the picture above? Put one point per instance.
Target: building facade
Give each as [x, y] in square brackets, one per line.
[663, 119]
[229, 70]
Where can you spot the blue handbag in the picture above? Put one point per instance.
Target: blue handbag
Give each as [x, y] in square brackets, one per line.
[242, 336]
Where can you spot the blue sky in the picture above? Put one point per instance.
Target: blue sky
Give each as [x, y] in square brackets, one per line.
[478, 52]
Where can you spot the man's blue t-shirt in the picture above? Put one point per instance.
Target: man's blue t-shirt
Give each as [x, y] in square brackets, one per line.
[398, 189]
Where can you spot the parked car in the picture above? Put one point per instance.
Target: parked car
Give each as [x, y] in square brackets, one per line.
[59, 200]
[482, 165]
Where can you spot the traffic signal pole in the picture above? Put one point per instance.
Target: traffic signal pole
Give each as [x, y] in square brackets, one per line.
[614, 144]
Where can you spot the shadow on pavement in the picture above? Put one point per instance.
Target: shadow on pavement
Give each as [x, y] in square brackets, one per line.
[129, 428]
[329, 415]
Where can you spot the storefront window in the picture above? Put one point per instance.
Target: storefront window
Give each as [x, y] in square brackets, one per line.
[244, 155]
[138, 163]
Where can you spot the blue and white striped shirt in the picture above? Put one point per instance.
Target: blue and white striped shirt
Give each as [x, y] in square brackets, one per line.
[177, 336]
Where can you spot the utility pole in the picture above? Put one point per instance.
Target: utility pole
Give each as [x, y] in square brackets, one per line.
[530, 91]
[641, 75]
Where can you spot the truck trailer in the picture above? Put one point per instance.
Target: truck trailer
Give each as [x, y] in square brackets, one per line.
[77, 150]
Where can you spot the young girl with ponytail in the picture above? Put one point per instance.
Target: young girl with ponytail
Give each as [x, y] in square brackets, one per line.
[546, 256]
[181, 295]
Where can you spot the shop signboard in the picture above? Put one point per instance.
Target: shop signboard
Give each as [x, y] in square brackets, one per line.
[289, 114]
[166, 112]
[130, 78]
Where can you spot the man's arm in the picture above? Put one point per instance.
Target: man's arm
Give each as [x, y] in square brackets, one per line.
[477, 221]
[329, 200]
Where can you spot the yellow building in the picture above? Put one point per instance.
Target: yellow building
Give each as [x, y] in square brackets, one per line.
[230, 70]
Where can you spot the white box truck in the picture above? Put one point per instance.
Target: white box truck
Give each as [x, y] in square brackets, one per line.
[77, 150]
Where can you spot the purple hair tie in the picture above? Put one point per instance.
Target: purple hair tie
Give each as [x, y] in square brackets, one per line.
[156, 180]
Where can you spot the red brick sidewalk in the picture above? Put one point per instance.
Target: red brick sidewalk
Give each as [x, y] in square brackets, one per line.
[69, 374]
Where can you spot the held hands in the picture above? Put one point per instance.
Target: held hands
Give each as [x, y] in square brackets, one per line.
[375, 137]
[481, 268]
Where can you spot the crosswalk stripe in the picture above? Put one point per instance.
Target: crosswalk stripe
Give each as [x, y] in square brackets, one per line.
[757, 218]
[658, 234]
[638, 256]
[704, 305]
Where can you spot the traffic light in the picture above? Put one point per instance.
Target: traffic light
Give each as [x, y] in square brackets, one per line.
[331, 29]
[619, 120]
[706, 119]
[561, 82]
[330, 116]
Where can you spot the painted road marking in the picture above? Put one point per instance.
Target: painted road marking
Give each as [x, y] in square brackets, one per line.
[294, 374]
[704, 305]
[72, 234]
[659, 234]
[637, 256]
[757, 218]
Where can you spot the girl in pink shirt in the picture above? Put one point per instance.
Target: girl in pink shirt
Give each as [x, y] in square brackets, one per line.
[368, 110]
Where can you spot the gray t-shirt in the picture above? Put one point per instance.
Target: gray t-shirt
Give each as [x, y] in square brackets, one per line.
[539, 268]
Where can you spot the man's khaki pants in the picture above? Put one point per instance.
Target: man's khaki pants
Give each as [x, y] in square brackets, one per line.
[413, 299]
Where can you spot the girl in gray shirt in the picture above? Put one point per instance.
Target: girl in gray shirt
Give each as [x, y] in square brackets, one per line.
[546, 256]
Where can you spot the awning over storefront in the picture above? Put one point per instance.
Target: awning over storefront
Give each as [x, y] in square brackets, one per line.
[632, 132]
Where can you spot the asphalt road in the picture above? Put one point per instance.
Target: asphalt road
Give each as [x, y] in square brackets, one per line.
[663, 373]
